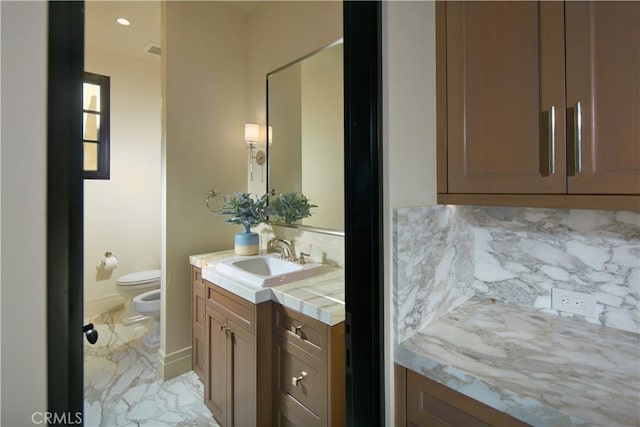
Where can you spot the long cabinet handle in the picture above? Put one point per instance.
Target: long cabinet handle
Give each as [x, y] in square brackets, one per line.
[552, 140]
[577, 138]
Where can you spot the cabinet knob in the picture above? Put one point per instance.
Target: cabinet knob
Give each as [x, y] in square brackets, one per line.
[202, 315]
[296, 380]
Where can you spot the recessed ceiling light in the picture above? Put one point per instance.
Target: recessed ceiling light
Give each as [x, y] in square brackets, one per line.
[123, 21]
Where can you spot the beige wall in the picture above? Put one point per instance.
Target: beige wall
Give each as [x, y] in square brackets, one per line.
[23, 200]
[323, 137]
[409, 126]
[204, 96]
[279, 32]
[122, 214]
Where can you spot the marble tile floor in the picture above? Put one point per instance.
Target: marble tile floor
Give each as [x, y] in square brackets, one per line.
[123, 387]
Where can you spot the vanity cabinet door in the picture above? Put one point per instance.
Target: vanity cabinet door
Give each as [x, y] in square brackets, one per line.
[242, 376]
[216, 381]
[238, 359]
[198, 321]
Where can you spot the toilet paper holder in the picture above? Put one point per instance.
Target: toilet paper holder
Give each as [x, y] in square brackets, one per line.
[109, 261]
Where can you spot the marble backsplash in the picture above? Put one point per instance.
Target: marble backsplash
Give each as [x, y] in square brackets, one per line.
[326, 248]
[433, 266]
[444, 255]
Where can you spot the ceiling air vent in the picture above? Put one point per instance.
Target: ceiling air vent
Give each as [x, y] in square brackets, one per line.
[152, 49]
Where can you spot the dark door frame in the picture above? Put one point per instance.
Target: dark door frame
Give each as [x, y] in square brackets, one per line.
[364, 289]
[364, 255]
[64, 208]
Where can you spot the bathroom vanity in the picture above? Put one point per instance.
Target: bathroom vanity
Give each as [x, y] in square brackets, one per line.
[270, 355]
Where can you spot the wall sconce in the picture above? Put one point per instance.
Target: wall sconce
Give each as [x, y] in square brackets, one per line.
[251, 138]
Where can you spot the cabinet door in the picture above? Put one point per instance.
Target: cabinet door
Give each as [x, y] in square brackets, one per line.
[198, 329]
[198, 357]
[603, 74]
[216, 365]
[242, 381]
[505, 72]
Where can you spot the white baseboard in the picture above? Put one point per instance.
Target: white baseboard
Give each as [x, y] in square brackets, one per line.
[175, 363]
[97, 306]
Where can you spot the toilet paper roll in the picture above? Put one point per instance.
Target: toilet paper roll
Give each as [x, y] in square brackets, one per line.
[110, 263]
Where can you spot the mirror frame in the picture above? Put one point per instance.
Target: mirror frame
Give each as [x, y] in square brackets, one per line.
[304, 227]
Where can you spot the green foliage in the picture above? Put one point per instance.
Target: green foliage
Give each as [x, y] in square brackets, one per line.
[246, 210]
[291, 207]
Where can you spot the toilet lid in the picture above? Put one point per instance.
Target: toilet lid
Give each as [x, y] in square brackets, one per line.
[139, 277]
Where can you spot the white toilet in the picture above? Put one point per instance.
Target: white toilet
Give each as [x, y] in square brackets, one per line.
[148, 304]
[133, 284]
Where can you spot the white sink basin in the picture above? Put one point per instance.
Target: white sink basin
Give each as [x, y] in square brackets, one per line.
[266, 270]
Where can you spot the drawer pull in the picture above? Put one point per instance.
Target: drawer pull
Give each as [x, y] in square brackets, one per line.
[295, 329]
[296, 380]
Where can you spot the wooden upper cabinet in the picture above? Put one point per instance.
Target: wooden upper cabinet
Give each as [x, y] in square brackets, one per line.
[503, 67]
[603, 75]
[504, 73]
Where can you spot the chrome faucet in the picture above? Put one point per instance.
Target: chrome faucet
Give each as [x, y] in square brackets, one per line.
[285, 247]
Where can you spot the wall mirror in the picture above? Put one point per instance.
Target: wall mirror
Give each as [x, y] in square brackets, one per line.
[305, 150]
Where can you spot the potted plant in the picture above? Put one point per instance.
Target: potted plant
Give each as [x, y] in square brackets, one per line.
[247, 210]
[291, 207]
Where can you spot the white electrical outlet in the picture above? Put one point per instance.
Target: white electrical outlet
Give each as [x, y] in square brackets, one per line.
[573, 302]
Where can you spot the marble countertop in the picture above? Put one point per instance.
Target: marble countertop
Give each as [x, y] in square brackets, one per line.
[320, 297]
[543, 369]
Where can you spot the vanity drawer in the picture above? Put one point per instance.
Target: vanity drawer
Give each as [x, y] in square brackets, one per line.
[305, 332]
[310, 390]
[236, 309]
[290, 413]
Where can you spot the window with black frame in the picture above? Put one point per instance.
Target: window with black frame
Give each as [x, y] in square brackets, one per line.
[95, 126]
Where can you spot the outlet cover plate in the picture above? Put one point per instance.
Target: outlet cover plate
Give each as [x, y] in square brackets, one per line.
[573, 302]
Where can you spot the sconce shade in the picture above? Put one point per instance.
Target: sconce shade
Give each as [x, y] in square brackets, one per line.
[270, 135]
[251, 132]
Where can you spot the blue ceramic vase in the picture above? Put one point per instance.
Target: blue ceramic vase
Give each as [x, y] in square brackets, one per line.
[247, 242]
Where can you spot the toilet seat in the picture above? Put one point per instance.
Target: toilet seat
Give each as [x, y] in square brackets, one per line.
[138, 278]
[147, 302]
